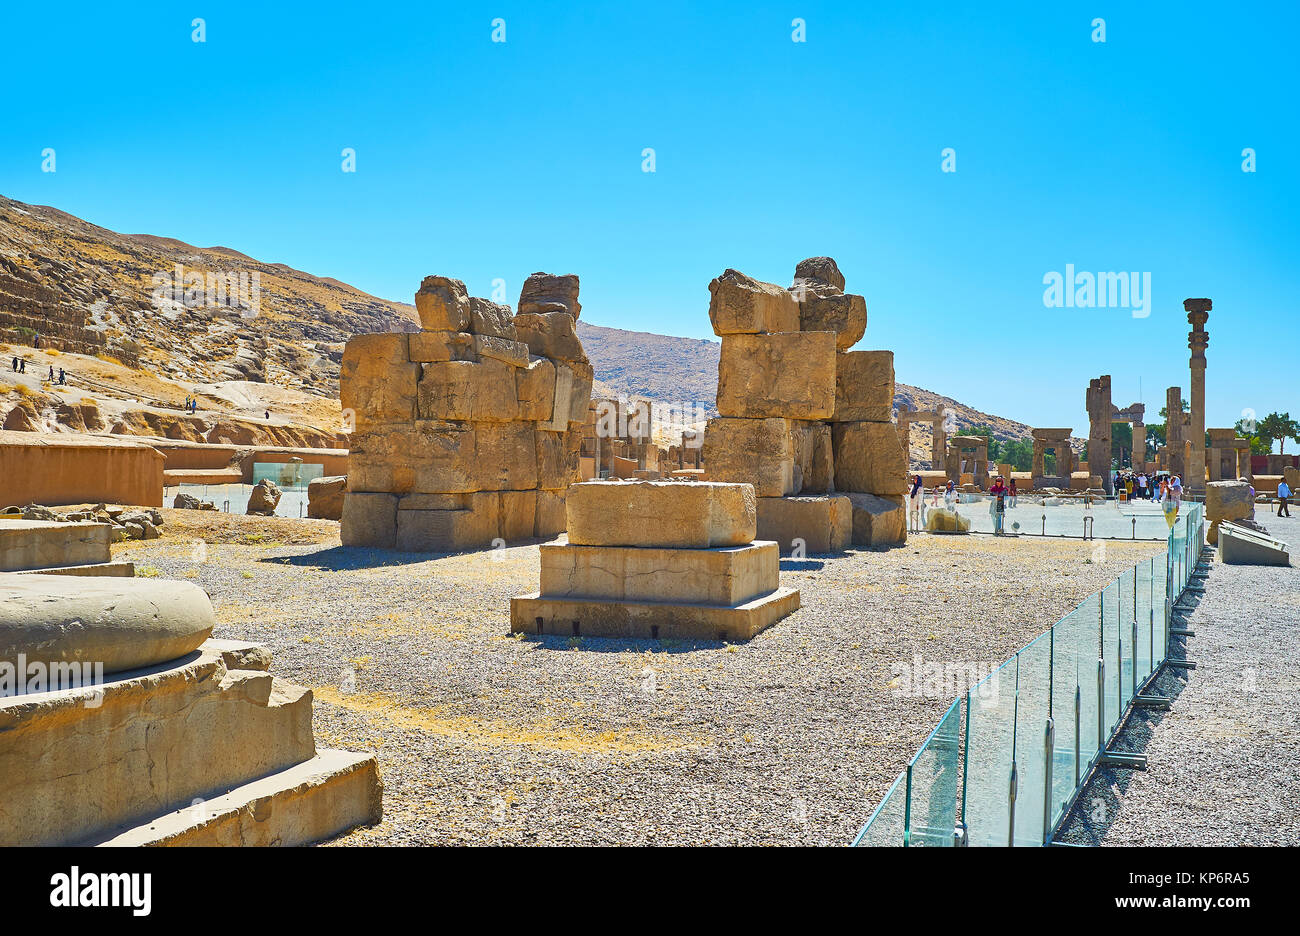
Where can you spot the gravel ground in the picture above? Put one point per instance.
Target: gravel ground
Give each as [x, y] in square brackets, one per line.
[1223, 764]
[484, 738]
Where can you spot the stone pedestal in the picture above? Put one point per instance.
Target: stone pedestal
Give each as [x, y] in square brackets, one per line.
[691, 571]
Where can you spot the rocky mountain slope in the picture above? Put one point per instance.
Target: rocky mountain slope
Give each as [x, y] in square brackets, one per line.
[141, 322]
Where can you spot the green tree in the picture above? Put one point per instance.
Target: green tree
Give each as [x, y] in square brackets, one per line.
[1258, 446]
[1277, 427]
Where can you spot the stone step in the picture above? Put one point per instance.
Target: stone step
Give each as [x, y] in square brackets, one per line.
[318, 799]
[652, 620]
[116, 569]
[78, 762]
[40, 544]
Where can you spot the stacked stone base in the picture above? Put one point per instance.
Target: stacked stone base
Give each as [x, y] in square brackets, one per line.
[700, 576]
[208, 749]
[59, 548]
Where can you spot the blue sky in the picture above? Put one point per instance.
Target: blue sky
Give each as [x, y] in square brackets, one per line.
[488, 160]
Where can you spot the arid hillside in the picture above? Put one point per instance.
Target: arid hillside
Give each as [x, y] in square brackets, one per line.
[140, 323]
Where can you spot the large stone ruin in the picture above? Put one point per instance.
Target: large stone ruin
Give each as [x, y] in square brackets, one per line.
[122, 723]
[657, 560]
[468, 431]
[804, 420]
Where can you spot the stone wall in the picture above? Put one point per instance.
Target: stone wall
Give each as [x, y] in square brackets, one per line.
[67, 469]
[467, 432]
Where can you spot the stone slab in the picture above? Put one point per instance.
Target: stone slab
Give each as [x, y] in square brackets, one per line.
[309, 802]
[740, 304]
[789, 375]
[80, 763]
[751, 451]
[36, 544]
[864, 386]
[723, 576]
[689, 515]
[109, 569]
[878, 521]
[869, 458]
[648, 620]
[823, 524]
[1243, 546]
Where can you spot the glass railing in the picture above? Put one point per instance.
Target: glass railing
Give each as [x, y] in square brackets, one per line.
[1069, 516]
[1008, 758]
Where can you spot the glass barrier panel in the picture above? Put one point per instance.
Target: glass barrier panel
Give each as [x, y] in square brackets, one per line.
[1146, 622]
[1068, 668]
[888, 824]
[1033, 708]
[989, 752]
[1127, 583]
[1110, 630]
[935, 774]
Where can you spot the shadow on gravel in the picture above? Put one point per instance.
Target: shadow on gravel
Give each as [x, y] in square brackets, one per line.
[621, 644]
[345, 558]
[1101, 799]
[802, 565]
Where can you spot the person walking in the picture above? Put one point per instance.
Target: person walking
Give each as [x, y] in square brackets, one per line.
[63, 377]
[22, 366]
[1011, 500]
[917, 504]
[949, 495]
[15, 363]
[1283, 499]
[51, 373]
[998, 506]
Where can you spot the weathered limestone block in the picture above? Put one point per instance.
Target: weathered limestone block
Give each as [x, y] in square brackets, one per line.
[751, 451]
[154, 742]
[471, 527]
[514, 353]
[535, 389]
[490, 319]
[505, 457]
[427, 347]
[465, 390]
[869, 458]
[443, 304]
[790, 375]
[1226, 500]
[660, 513]
[264, 498]
[946, 520]
[810, 443]
[377, 381]
[325, 497]
[878, 521]
[864, 386]
[550, 334]
[380, 458]
[369, 519]
[729, 575]
[516, 515]
[41, 544]
[818, 270]
[822, 524]
[557, 458]
[572, 396]
[552, 514]
[653, 620]
[548, 292]
[121, 623]
[740, 304]
[825, 308]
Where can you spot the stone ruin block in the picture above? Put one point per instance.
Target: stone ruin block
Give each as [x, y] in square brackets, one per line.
[751, 451]
[864, 386]
[1226, 500]
[810, 444]
[479, 403]
[741, 305]
[818, 271]
[878, 521]
[823, 308]
[547, 292]
[727, 575]
[869, 458]
[657, 559]
[822, 524]
[660, 513]
[789, 375]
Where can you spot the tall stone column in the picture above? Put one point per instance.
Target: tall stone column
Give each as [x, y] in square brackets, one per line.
[1198, 312]
[1099, 429]
[1174, 431]
[1139, 446]
[938, 446]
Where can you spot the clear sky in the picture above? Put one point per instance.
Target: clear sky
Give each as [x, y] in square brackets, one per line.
[486, 160]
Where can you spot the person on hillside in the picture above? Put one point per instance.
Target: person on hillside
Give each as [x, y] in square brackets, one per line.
[15, 364]
[63, 377]
[1283, 499]
[268, 415]
[51, 373]
[22, 366]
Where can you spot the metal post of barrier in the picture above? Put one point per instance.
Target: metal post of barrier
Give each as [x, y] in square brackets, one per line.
[1135, 657]
[1101, 707]
[1044, 524]
[1078, 712]
[1135, 528]
[1049, 742]
[1011, 803]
